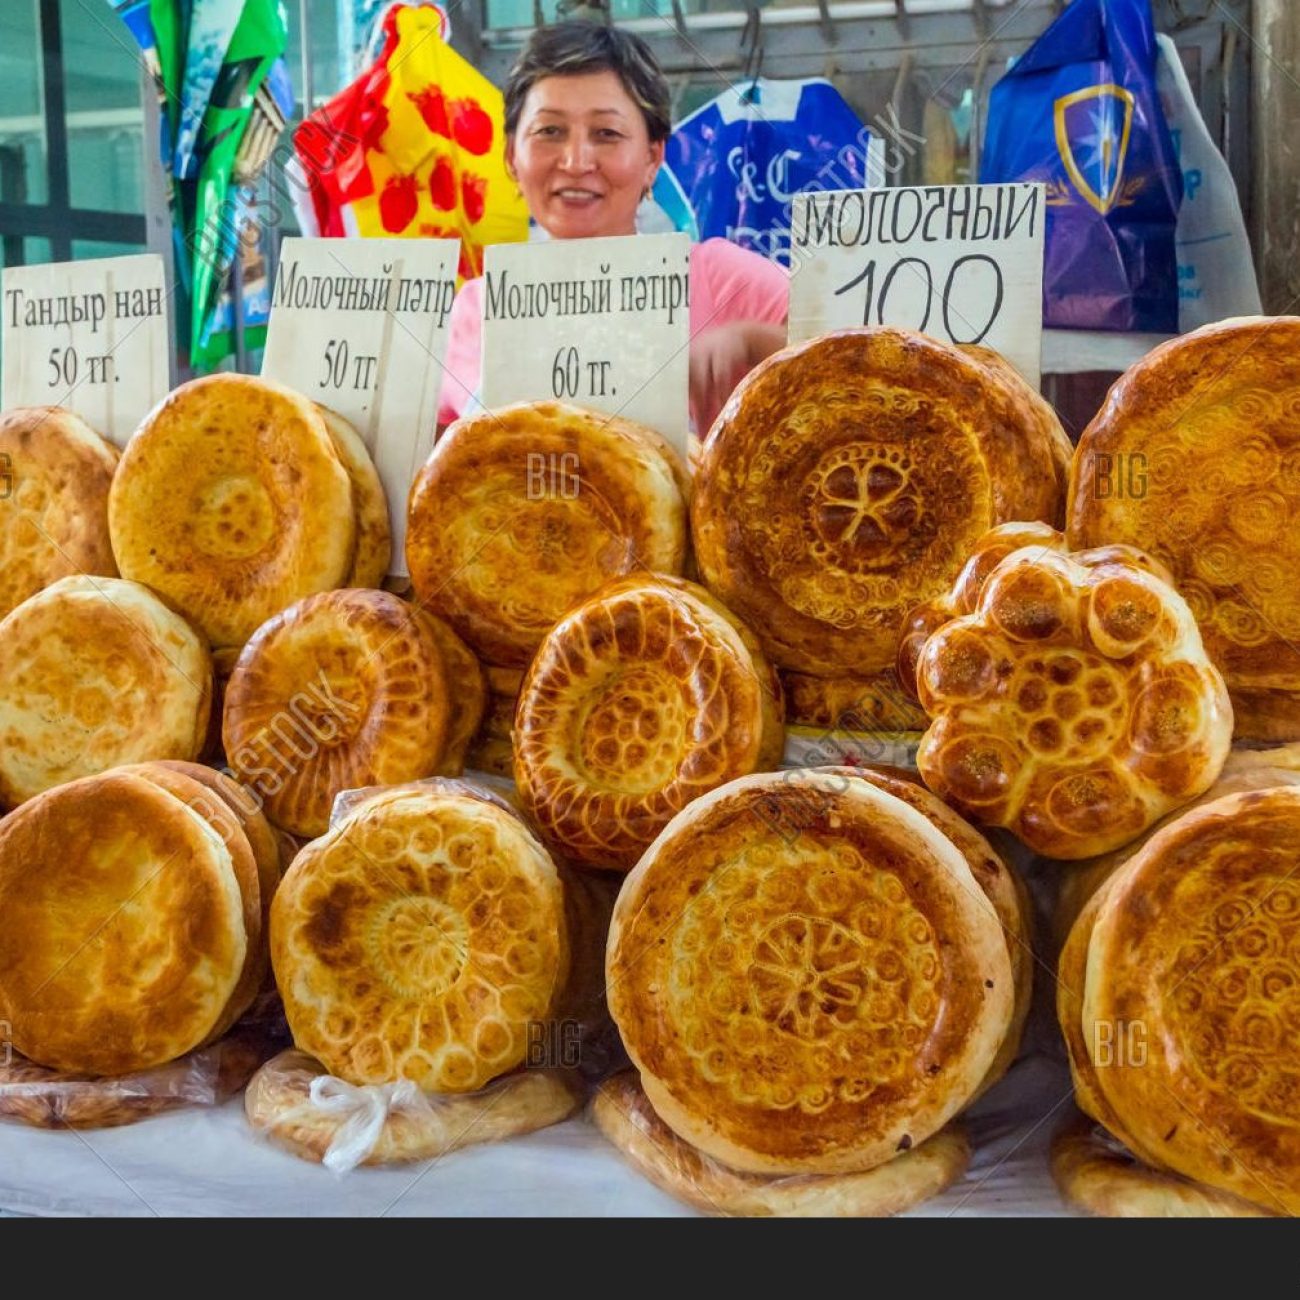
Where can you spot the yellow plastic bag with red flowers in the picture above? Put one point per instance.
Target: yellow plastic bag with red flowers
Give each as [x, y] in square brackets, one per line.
[415, 147]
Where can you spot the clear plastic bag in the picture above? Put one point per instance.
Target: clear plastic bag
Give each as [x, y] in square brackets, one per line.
[294, 1103]
[43, 1098]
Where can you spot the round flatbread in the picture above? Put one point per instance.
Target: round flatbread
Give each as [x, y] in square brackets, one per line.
[44, 1098]
[1191, 1005]
[1195, 457]
[124, 939]
[55, 473]
[466, 690]
[624, 1115]
[231, 503]
[525, 511]
[252, 821]
[342, 690]
[199, 798]
[1073, 703]
[1001, 884]
[807, 975]
[94, 673]
[278, 1104]
[845, 482]
[419, 939]
[374, 550]
[1095, 1173]
[638, 701]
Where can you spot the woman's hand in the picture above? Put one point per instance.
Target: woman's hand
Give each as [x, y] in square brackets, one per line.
[721, 357]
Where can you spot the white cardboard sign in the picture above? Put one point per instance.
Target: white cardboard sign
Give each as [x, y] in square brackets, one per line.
[360, 326]
[90, 336]
[601, 323]
[963, 263]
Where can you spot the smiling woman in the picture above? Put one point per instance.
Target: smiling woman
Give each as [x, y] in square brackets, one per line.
[586, 117]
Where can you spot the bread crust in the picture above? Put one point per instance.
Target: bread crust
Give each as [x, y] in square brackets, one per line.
[775, 973]
[523, 512]
[55, 474]
[264, 518]
[1195, 458]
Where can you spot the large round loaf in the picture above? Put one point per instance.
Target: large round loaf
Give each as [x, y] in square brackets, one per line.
[55, 473]
[523, 512]
[123, 939]
[231, 502]
[845, 482]
[807, 975]
[1195, 457]
[420, 939]
[94, 673]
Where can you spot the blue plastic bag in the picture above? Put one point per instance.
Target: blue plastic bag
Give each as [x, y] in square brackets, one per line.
[1080, 111]
[742, 157]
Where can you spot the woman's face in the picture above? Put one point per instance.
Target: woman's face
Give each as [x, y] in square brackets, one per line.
[582, 156]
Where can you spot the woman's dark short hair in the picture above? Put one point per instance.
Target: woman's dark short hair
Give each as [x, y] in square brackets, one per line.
[576, 49]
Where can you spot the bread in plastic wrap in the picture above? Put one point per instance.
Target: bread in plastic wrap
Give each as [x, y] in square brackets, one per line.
[294, 1102]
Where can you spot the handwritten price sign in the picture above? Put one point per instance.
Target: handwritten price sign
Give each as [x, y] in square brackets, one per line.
[963, 263]
[601, 323]
[360, 326]
[89, 336]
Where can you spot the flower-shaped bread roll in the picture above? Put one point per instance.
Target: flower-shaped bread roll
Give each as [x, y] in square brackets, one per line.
[1070, 697]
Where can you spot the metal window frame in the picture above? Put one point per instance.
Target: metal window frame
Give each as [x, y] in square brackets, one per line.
[56, 219]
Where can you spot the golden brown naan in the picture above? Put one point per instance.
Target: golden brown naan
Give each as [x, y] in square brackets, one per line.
[420, 939]
[55, 473]
[1195, 457]
[523, 512]
[644, 697]
[231, 503]
[1191, 1003]
[1070, 697]
[94, 673]
[123, 939]
[342, 690]
[807, 975]
[845, 482]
